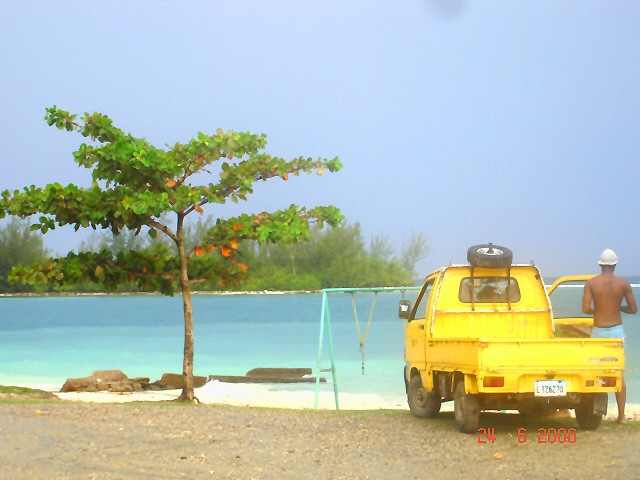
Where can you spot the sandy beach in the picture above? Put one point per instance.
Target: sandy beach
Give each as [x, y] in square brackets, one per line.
[253, 395]
[248, 395]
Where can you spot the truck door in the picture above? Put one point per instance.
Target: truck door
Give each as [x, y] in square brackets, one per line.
[565, 296]
[417, 328]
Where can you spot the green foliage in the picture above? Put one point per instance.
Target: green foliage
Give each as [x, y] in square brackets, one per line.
[330, 258]
[136, 185]
[19, 246]
[280, 279]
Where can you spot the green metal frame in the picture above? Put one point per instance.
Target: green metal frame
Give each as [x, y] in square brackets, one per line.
[325, 322]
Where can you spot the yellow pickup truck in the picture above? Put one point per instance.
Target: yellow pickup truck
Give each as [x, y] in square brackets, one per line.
[483, 336]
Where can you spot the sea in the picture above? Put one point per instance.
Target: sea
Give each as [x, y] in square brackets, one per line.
[46, 339]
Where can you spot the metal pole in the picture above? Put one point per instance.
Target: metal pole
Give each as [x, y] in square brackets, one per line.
[320, 339]
[333, 361]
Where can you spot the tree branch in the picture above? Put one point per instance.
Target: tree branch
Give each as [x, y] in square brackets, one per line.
[163, 228]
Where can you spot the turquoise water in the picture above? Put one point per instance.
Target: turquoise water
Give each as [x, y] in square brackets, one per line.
[45, 340]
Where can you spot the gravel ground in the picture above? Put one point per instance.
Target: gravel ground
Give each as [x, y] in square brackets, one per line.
[166, 441]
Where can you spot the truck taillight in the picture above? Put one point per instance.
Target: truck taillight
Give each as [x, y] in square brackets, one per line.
[607, 381]
[493, 382]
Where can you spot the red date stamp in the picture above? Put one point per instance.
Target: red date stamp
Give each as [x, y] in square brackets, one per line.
[545, 435]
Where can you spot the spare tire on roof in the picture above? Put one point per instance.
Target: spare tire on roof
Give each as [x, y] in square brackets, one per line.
[489, 256]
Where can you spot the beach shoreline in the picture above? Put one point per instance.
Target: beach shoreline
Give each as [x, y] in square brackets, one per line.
[269, 396]
[195, 292]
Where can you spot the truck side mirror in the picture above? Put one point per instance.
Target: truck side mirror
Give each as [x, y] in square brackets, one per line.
[405, 309]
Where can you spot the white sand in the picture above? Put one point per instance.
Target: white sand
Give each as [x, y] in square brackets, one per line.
[216, 392]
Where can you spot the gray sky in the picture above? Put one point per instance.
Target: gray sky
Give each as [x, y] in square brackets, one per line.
[469, 122]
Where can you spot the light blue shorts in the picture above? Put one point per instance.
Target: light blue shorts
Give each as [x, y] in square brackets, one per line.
[608, 332]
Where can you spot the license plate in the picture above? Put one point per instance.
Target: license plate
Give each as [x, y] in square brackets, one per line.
[550, 388]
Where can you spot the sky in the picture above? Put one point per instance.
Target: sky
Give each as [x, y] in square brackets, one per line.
[468, 122]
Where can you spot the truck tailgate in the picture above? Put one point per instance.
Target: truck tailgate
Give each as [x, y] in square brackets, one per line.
[546, 355]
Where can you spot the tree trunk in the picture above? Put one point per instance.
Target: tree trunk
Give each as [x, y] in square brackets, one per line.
[187, 362]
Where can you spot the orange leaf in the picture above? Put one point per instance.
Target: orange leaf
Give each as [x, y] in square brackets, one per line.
[229, 155]
[210, 248]
[198, 251]
[234, 244]
[261, 164]
[131, 277]
[198, 209]
[171, 183]
[260, 215]
[237, 226]
[257, 221]
[243, 267]
[144, 269]
[226, 251]
[285, 177]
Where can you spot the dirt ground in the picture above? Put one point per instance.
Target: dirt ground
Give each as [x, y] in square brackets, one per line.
[165, 441]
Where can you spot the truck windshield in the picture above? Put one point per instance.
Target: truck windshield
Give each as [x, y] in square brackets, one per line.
[489, 290]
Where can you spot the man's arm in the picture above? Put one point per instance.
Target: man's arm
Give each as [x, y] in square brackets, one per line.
[587, 299]
[631, 306]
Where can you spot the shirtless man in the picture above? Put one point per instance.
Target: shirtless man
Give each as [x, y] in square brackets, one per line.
[606, 291]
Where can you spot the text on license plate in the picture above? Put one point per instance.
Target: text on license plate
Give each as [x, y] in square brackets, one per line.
[550, 388]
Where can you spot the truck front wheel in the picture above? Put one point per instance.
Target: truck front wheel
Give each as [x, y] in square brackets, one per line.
[421, 402]
[466, 409]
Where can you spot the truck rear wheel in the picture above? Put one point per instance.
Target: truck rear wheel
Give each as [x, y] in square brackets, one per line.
[466, 409]
[421, 402]
[585, 416]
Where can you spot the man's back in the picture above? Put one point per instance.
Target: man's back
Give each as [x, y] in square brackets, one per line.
[607, 292]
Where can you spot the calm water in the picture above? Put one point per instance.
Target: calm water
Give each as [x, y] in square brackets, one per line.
[44, 340]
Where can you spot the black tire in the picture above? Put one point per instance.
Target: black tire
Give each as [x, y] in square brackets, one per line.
[466, 409]
[422, 403]
[587, 420]
[489, 256]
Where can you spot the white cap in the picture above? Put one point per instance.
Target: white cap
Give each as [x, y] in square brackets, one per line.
[608, 257]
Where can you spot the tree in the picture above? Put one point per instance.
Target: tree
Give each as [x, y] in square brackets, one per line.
[413, 250]
[19, 246]
[135, 184]
[380, 247]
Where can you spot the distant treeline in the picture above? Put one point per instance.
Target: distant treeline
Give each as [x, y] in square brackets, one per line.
[337, 257]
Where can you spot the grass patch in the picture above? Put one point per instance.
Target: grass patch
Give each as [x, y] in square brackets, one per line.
[11, 394]
[18, 390]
